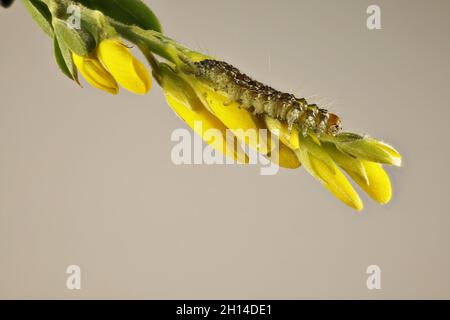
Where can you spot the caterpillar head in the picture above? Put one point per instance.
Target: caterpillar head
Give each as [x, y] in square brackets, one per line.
[333, 125]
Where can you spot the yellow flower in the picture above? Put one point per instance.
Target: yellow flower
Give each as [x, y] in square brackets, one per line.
[286, 158]
[288, 137]
[319, 164]
[288, 143]
[184, 102]
[196, 103]
[245, 126]
[95, 74]
[370, 176]
[322, 156]
[367, 148]
[378, 185]
[238, 120]
[126, 69]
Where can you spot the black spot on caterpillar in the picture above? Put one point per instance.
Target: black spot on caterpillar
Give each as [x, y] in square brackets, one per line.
[264, 100]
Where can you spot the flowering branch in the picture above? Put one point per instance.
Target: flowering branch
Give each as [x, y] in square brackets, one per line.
[202, 88]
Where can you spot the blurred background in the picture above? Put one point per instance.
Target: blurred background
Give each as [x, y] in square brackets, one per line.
[86, 178]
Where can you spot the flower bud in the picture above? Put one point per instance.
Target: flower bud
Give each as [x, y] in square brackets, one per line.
[368, 149]
[128, 71]
[95, 74]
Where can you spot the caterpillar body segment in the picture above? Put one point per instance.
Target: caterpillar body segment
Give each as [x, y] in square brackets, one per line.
[261, 99]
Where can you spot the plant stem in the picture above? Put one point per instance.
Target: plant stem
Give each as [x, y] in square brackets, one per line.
[152, 40]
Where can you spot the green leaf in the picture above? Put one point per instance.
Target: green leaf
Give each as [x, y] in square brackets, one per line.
[78, 41]
[129, 12]
[64, 60]
[60, 59]
[40, 14]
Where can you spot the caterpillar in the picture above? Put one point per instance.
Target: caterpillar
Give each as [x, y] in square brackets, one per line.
[261, 99]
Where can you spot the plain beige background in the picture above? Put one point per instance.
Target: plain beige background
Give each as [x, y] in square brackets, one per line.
[86, 178]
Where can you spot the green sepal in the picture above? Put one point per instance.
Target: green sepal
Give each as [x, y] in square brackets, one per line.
[346, 161]
[78, 41]
[347, 137]
[308, 144]
[40, 14]
[177, 86]
[129, 12]
[367, 148]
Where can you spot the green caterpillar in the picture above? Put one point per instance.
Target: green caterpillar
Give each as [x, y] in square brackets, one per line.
[264, 100]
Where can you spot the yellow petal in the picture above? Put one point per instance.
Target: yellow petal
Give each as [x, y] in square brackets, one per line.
[185, 103]
[95, 74]
[202, 122]
[128, 71]
[238, 120]
[286, 158]
[309, 144]
[332, 178]
[280, 129]
[345, 161]
[370, 176]
[397, 158]
[378, 186]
